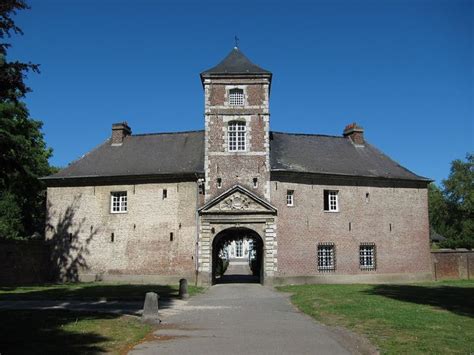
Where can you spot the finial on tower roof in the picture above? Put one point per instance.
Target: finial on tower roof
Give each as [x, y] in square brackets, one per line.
[236, 42]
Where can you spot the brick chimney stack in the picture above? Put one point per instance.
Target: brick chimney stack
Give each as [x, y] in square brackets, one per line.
[355, 133]
[119, 132]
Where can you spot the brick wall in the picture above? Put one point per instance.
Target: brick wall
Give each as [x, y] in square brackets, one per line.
[81, 226]
[453, 264]
[394, 218]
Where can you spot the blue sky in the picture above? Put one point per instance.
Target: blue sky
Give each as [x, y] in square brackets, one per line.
[402, 69]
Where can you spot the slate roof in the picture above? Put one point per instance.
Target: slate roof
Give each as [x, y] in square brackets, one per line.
[235, 63]
[147, 154]
[332, 155]
[183, 153]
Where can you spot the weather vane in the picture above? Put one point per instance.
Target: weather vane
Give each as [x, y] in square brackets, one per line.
[236, 41]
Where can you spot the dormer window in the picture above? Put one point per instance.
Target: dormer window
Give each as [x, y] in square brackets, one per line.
[236, 136]
[236, 97]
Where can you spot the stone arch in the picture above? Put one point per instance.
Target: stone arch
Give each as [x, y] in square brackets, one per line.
[256, 264]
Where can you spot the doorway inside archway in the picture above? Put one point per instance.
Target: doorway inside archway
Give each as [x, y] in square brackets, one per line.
[237, 256]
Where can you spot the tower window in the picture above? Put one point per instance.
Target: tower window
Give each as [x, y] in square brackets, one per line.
[236, 136]
[236, 97]
[219, 183]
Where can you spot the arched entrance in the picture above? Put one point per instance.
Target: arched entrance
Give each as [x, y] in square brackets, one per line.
[237, 256]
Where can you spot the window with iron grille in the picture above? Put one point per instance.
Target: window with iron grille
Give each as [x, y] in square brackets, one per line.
[290, 200]
[331, 201]
[118, 202]
[236, 97]
[236, 136]
[326, 257]
[367, 256]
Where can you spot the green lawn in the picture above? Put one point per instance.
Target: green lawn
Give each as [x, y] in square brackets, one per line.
[427, 318]
[90, 291]
[66, 332]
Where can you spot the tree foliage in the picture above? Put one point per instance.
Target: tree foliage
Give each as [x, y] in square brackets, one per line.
[452, 207]
[23, 151]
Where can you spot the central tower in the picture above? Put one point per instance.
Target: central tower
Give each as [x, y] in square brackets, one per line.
[237, 120]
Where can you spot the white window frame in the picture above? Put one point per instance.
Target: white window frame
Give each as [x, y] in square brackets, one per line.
[290, 198]
[239, 248]
[237, 136]
[332, 202]
[367, 256]
[236, 97]
[118, 202]
[326, 254]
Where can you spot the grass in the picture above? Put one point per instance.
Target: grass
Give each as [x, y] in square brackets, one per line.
[427, 318]
[67, 332]
[90, 291]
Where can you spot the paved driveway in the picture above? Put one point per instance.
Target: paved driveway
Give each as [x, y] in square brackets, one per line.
[243, 319]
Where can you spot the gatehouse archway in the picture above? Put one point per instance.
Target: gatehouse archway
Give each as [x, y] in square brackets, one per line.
[237, 256]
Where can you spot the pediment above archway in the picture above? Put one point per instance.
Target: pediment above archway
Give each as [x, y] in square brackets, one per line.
[237, 200]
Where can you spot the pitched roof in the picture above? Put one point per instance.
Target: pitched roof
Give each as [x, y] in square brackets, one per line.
[147, 154]
[332, 155]
[183, 153]
[235, 63]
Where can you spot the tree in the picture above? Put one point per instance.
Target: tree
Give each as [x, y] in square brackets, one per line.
[23, 151]
[452, 208]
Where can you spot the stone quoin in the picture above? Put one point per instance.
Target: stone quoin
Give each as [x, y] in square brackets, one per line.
[311, 208]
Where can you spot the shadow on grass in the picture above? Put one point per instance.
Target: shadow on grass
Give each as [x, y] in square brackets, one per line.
[87, 292]
[459, 300]
[43, 332]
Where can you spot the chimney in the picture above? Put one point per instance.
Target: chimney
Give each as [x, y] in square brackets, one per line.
[355, 133]
[119, 132]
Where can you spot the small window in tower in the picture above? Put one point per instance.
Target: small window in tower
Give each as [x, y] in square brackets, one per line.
[236, 136]
[165, 194]
[219, 183]
[236, 97]
[255, 183]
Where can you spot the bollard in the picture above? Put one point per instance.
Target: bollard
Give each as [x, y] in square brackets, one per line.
[183, 289]
[150, 308]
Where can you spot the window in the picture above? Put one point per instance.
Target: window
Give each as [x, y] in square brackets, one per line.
[236, 97]
[238, 248]
[255, 183]
[367, 256]
[118, 202]
[331, 203]
[219, 183]
[326, 257]
[290, 197]
[165, 193]
[236, 136]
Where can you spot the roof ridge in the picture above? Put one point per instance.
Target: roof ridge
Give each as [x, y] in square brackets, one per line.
[160, 133]
[308, 134]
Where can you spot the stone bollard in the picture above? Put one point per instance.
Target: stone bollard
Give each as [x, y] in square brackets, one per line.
[150, 308]
[183, 289]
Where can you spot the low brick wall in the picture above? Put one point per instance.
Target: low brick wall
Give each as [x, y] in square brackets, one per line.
[24, 262]
[453, 264]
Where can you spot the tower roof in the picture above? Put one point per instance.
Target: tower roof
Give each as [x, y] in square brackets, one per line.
[234, 64]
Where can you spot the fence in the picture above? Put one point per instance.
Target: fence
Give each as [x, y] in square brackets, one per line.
[452, 264]
[24, 262]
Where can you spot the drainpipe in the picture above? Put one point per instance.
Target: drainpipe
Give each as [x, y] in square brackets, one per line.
[199, 181]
